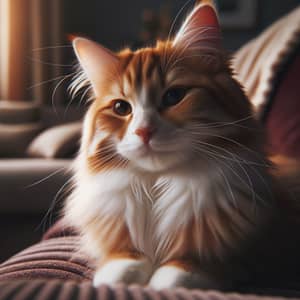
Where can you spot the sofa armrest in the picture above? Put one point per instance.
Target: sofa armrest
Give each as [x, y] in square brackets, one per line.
[31, 185]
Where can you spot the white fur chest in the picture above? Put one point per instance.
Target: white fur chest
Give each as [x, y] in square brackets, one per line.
[154, 208]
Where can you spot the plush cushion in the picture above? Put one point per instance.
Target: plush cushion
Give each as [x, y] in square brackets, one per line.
[258, 63]
[14, 139]
[55, 267]
[17, 112]
[282, 117]
[57, 142]
[269, 69]
[71, 290]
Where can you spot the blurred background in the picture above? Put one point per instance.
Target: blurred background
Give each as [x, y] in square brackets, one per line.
[35, 35]
[36, 66]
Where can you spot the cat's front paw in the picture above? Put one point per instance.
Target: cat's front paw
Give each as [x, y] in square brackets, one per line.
[126, 271]
[170, 276]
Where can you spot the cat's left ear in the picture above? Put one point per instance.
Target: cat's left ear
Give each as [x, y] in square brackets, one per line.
[96, 61]
[201, 28]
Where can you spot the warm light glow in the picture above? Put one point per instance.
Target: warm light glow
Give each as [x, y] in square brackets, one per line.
[4, 47]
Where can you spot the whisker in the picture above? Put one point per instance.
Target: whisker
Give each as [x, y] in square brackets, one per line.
[197, 125]
[52, 47]
[79, 104]
[55, 90]
[47, 81]
[84, 94]
[213, 155]
[239, 163]
[257, 154]
[186, 46]
[49, 63]
[46, 178]
[262, 162]
[104, 148]
[52, 206]
[173, 26]
[240, 160]
[229, 188]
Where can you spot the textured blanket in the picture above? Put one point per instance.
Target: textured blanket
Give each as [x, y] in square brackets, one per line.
[41, 290]
[53, 269]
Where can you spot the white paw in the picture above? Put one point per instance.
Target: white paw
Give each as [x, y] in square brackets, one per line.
[171, 276]
[125, 271]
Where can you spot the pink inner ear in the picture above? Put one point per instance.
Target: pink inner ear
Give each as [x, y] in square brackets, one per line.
[205, 16]
[200, 30]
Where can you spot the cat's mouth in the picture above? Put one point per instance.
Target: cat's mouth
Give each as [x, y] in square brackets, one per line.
[152, 150]
[145, 150]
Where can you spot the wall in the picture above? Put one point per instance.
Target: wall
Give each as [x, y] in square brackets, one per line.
[268, 12]
[116, 23]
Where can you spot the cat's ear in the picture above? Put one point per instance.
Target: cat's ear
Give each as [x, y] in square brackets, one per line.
[201, 28]
[96, 61]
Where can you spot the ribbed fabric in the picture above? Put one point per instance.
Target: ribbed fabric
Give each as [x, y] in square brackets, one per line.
[41, 290]
[55, 258]
[54, 269]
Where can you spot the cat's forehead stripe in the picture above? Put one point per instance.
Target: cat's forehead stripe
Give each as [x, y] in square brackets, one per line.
[141, 70]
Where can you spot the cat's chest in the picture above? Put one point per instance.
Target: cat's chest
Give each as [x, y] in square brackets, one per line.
[155, 201]
[157, 210]
[154, 209]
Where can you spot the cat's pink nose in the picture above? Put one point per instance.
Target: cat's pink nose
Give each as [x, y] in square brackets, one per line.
[145, 133]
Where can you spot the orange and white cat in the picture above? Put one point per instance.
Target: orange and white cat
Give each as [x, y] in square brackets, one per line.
[172, 186]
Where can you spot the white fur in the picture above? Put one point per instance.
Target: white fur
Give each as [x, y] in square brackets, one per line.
[165, 146]
[123, 271]
[163, 186]
[193, 36]
[169, 277]
[98, 137]
[154, 207]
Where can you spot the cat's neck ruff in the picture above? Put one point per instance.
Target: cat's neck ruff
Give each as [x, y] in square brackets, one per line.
[158, 208]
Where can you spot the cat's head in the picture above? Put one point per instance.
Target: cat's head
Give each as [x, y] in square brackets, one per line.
[157, 108]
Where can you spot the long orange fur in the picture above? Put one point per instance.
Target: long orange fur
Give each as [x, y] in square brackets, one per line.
[218, 241]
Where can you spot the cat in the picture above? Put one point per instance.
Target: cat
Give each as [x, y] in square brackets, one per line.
[172, 185]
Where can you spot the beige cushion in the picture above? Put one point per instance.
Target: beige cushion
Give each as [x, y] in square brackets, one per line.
[258, 63]
[57, 142]
[14, 139]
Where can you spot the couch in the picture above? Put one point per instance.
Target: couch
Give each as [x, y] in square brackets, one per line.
[269, 69]
[34, 161]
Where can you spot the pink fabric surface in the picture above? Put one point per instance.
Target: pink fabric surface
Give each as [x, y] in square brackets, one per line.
[55, 266]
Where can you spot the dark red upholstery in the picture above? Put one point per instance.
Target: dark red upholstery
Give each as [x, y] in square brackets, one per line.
[282, 121]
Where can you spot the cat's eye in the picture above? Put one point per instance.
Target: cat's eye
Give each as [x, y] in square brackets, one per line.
[122, 108]
[173, 96]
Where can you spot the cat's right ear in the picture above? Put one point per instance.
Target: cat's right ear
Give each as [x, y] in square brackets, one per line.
[201, 28]
[97, 62]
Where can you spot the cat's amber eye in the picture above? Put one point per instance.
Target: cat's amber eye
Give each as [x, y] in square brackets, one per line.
[122, 108]
[173, 96]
